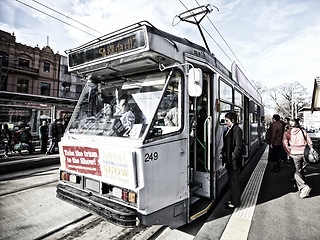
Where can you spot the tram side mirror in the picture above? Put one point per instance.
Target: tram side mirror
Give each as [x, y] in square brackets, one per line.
[195, 82]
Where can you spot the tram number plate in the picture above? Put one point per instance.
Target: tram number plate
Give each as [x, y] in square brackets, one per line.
[153, 156]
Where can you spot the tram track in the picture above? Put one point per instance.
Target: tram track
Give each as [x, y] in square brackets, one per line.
[27, 188]
[19, 181]
[83, 226]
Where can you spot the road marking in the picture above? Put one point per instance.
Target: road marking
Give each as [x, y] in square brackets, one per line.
[239, 224]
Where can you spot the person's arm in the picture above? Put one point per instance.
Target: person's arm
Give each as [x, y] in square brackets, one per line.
[273, 134]
[168, 118]
[285, 143]
[237, 135]
[309, 141]
[40, 134]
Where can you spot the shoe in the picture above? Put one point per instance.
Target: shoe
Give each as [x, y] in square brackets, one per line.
[305, 192]
[6, 155]
[230, 206]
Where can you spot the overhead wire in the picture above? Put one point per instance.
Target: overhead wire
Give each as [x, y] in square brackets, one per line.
[221, 37]
[66, 16]
[55, 18]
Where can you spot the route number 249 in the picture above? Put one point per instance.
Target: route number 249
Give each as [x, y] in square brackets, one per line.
[151, 157]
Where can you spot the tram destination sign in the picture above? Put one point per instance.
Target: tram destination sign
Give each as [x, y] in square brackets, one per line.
[111, 48]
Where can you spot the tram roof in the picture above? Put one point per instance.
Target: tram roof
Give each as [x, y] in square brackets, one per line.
[90, 50]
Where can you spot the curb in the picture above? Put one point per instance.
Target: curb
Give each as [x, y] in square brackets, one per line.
[25, 162]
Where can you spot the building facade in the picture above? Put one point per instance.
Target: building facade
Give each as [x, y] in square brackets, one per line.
[70, 85]
[35, 84]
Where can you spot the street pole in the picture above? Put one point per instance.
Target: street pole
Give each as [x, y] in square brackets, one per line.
[292, 104]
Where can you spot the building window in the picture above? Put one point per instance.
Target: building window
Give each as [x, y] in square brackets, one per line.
[46, 67]
[23, 62]
[78, 88]
[66, 70]
[3, 83]
[45, 89]
[22, 86]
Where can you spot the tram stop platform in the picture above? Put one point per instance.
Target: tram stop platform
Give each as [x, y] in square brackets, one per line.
[270, 206]
[16, 162]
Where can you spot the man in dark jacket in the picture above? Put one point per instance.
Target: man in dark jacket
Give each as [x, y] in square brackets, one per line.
[43, 135]
[53, 137]
[275, 142]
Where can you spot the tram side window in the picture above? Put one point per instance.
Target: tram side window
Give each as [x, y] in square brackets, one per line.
[225, 108]
[225, 92]
[238, 102]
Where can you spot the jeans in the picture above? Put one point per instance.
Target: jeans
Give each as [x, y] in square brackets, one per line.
[7, 146]
[53, 144]
[300, 165]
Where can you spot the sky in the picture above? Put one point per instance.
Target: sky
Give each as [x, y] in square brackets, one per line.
[274, 41]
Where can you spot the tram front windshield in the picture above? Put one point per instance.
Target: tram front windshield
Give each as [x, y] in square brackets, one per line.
[127, 106]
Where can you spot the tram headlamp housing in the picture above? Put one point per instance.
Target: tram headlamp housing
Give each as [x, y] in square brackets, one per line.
[195, 82]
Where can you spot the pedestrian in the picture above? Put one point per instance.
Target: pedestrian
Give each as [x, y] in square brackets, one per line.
[294, 141]
[275, 142]
[6, 137]
[60, 129]
[52, 134]
[231, 156]
[25, 138]
[43, 135]
[285, 124]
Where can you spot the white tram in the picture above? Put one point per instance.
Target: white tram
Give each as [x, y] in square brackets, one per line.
[156, 157]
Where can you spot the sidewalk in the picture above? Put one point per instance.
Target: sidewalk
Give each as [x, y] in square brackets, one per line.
[16, 162]
[271, 207]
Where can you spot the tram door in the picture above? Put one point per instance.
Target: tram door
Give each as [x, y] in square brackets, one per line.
[200, 150]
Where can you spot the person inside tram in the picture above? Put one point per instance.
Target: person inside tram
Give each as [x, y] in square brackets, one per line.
[172, 116]
[127, 117]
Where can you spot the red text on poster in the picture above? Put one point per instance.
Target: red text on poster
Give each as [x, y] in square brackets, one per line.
[82, 159]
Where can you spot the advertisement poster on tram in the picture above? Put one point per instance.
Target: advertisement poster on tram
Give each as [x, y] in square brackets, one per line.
[114, 167]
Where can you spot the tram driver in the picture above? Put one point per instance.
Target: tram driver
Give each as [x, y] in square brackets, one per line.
[172, 116]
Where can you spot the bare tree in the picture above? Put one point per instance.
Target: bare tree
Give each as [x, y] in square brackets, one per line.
[289, 99]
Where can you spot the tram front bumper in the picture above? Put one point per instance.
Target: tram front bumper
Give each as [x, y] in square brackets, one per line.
[113, 212]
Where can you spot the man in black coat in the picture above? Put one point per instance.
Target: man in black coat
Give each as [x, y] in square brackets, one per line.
[232, 157]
